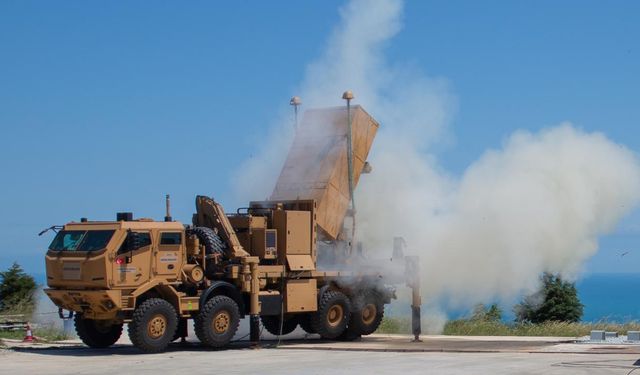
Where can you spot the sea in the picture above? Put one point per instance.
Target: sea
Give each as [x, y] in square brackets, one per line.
[606, 297]
[610, 297]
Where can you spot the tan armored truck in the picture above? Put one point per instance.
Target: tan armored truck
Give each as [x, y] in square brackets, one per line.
[261, 261]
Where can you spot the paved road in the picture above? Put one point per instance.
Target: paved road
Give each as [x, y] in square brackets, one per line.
[296, 359]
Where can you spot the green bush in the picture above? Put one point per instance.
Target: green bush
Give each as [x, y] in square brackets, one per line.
[488, 314]
[556, 301]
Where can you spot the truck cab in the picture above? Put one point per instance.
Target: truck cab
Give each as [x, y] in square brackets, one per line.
[92, 265]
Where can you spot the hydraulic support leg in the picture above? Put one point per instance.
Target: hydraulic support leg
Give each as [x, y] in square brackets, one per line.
[413, 281]
[254, 327]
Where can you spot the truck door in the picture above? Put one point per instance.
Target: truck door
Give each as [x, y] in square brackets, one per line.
[168, 258]
[133, 267]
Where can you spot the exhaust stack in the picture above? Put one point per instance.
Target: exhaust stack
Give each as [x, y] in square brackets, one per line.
[167, 216]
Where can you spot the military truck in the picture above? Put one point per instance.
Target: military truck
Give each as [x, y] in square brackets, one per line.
[261, 261]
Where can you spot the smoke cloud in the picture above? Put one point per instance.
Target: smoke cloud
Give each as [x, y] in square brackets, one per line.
[539, 203]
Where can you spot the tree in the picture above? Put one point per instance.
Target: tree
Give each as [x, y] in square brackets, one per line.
[556, 301]
[16, 287]
[488, 314]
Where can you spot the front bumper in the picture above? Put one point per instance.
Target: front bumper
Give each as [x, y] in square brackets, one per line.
[90, 303]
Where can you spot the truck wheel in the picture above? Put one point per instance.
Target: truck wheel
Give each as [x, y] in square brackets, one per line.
[217, 321]
[367, 314]
[153, 325]
[97, 333]
[305, 323]
[272, 324]
[332, 316]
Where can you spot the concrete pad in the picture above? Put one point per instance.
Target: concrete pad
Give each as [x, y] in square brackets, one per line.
[389, 343]
[40, 344]
[195, 359]
[404, 343]
[373, 354]
[475, 344]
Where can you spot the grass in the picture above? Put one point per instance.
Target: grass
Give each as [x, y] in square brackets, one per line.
[45, 332]
[468, 327]
[42, 332]
[50, 333]
[394, 325]
[21, 307]
[560, 329]
[15, 335]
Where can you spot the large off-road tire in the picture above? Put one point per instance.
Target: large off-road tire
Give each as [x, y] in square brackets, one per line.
[367, 312]
[272, 324]
[305, 323]
[332, 316]
[213, 244]
[217, 321]
[153, 325]
[97, 333]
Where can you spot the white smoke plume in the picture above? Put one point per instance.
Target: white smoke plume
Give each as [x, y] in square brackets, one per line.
[537, 204]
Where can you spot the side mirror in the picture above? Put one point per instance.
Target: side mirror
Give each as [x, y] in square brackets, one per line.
[133, 241]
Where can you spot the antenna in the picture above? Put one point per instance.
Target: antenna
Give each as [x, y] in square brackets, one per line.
[348, 96]
[295, 102]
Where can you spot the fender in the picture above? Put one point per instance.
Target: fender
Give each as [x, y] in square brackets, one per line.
[145, 288]
[224, 288]
[322, 290]
[166, 291]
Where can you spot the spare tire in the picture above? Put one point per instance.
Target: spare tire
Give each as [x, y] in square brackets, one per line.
[214, 247]
[213, 244]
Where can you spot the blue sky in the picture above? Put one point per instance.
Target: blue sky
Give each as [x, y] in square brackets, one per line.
[107, 106]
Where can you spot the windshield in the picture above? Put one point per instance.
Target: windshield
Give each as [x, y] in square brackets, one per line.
[81, 240]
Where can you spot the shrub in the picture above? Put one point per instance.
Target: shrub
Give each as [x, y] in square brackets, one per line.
[487, 314]
[556, 301]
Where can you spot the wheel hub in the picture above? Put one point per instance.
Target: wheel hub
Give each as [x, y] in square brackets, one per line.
[369, 313]
[335, 315]
[221, 322]
[157, 326]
